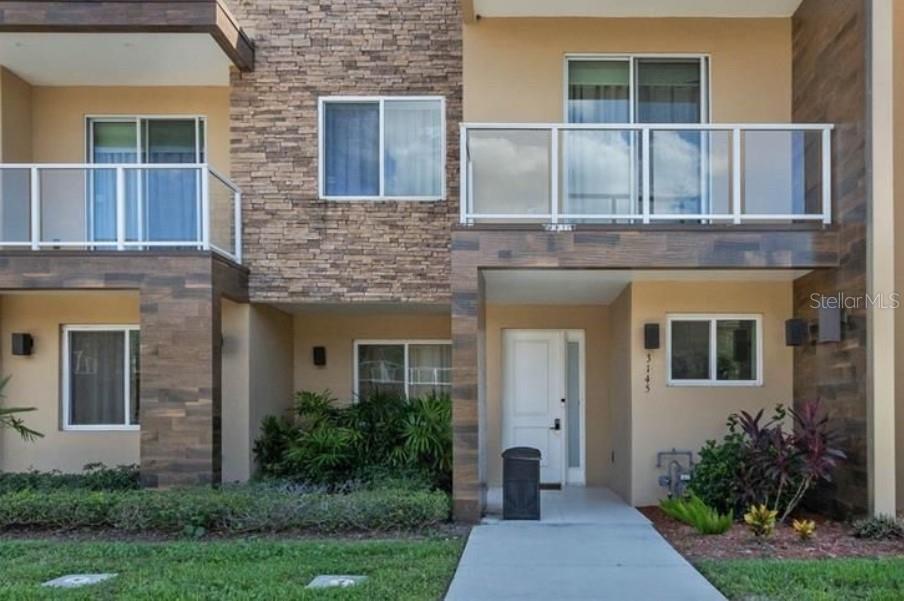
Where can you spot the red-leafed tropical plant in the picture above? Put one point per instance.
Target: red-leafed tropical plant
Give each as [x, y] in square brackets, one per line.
[770, 464]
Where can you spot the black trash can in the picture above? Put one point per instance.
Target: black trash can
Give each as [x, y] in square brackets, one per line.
[521, 484]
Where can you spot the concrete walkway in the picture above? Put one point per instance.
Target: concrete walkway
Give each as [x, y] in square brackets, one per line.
[589, 545]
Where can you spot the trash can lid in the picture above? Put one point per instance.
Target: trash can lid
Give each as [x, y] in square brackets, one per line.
[521, 453]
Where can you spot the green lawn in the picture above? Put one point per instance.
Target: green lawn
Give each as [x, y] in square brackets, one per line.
[808, 580]
[238, 569]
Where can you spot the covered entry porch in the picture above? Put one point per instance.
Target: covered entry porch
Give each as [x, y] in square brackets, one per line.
[573, 505]
[565, 367]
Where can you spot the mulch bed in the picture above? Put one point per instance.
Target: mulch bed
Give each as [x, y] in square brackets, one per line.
[832, 539]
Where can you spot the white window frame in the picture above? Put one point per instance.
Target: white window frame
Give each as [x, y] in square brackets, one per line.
[381, 101]
[201, 150]
[126, 329]
[406, 342]
[631, 58]
[713, 318]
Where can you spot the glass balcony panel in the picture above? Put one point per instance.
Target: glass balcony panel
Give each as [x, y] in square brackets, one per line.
[15, 204]
[510, 172]
[690, 172]
[782, 172]
[64, 208]
[222, 215]
[163, 204]
[597, 174]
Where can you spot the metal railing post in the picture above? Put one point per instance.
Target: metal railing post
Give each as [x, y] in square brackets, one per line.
[120, 208]
[645, 173]
[463, 196]
[35, 209]
[205, 207]
[736, 175]
[554, 174]
[826, 176]
[237, 199]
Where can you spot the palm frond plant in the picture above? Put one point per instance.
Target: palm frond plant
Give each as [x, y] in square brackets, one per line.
[9, 416]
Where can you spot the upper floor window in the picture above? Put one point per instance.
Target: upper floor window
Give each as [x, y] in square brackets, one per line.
[382, 148]
[636, 89]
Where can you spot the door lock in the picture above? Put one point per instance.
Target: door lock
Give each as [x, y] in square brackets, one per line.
[556, 424]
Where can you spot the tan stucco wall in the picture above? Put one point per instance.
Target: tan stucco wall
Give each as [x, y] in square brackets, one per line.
[235, 381]
[58, 116]
[620, 391]
[513, 68]
[271, 360]
[36, 380]
[898, 131]
[338, 332]
[594, 321]
[15, 118]
[685, 417]
[257, 379]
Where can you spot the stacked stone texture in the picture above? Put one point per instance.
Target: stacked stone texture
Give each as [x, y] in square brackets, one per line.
[298, 247]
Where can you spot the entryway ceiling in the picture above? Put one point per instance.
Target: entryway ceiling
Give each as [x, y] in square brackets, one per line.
[635, 8]
[601, 287]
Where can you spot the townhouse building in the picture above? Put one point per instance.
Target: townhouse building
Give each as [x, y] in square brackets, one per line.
[600, 227]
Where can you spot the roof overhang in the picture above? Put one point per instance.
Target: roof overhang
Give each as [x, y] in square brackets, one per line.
[473, 9]
[204, 19]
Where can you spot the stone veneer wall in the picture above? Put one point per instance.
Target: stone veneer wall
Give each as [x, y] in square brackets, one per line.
[301, 249]
[830, 79]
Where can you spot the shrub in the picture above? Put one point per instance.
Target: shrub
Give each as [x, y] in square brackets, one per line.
[714, 478]
[326, 444]
[758, 463]
[804, 528]
[232, 510]
[883, 527]
[96, 476]
[277, 433]
[760, 520]
[694, 512]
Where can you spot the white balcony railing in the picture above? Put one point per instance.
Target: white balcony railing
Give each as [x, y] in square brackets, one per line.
[126, 206]
[641, 174]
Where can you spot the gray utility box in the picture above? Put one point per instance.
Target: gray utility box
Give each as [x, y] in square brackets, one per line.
[521, 484]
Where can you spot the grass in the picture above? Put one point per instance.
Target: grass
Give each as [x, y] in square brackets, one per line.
[852, 579]
[235, 569]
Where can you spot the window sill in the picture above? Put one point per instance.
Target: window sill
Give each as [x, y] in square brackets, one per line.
[382, 198]
[101, 428]
[714, 383]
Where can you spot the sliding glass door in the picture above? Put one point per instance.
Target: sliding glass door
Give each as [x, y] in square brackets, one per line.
[111, 142]
[671, 91]
[162, 204]
[601, 167]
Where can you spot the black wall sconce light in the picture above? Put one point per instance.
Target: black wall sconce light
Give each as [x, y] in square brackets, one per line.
[829, 327]
[830, 322]
[320, 356]
[651, 336]
[23, 344]
[797, 332]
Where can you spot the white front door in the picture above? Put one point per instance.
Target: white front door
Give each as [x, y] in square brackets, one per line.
[533, 393]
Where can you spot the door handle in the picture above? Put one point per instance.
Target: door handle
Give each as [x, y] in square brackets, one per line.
[556, 424]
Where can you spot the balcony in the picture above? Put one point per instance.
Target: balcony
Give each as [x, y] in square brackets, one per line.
[559, 175]
[122, 207]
